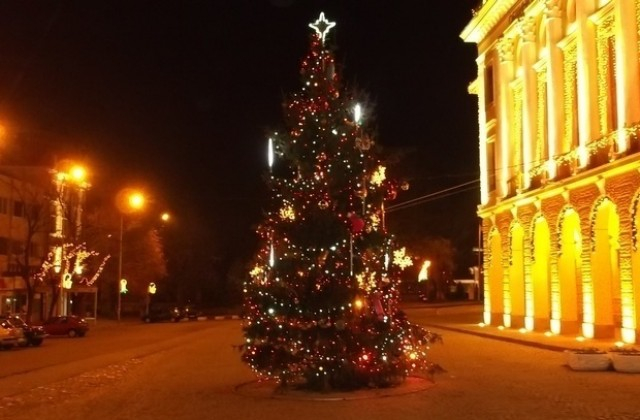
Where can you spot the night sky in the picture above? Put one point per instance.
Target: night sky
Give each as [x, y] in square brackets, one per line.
[181, 95]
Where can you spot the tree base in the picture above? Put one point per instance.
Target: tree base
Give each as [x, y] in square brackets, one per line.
[272, 389]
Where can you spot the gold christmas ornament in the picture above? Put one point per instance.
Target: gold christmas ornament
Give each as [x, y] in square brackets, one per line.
[378, 176]
[287, 212]
[361, 193]
[363, 144]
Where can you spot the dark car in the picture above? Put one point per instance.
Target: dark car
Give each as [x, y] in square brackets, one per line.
[190, 312]
[162, 313]
[72, 326]
[33, 334]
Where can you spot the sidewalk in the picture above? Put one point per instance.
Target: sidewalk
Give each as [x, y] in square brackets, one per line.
[466, 317]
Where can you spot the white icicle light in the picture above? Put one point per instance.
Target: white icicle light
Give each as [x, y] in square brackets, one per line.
[357, 113]
[272, 257]
[270, 153]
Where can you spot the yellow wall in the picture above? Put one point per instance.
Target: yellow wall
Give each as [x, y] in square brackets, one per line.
[569, 273]
[541, 274]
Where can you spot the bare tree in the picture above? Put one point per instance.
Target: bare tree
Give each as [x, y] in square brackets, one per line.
[143, 254]
[29, 224]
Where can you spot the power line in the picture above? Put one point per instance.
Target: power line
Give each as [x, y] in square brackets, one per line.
[456, 189]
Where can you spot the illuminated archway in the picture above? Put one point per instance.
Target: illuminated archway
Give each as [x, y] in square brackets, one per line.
[514, 300]
[600, 316]
[494, 287]
[565, 306]
[540, 301]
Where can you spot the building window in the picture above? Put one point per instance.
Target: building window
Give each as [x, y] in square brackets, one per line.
[34, 211]
[18, 208]
[35, 250]
[13, 269]
[488, 87]
[4, 246]
[17, 247]
[4, 205]
[491, 165]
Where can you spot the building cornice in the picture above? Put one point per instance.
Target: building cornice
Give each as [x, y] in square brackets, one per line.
[555, 188]
[473, 87]
[487, 17]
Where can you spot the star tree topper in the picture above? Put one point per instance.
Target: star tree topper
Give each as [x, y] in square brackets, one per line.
[322, 26]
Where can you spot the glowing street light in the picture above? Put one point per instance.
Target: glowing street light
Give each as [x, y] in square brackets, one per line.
[136, 200]
[78, 174]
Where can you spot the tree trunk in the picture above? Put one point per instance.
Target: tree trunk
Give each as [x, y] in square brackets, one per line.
[30, 294]
[55, 294]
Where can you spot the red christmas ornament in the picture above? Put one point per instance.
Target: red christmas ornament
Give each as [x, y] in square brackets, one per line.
[377, 305]
[392, 194]
[356, 223]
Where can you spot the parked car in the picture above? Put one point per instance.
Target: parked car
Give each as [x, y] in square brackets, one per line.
[190, 312]
[159, 313]
[33, 334]
[9, 335]
[19, 332]
[70, 325]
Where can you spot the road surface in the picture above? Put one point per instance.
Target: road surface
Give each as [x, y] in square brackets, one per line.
[195, 373]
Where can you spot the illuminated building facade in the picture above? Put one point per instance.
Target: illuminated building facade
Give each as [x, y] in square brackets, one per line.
[558, 91]
[17, 230]
[41, 209]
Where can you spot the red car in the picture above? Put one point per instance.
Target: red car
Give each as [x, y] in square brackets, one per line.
[71, 325]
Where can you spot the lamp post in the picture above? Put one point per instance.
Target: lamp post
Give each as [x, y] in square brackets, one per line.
[128, 201]
[120, 289]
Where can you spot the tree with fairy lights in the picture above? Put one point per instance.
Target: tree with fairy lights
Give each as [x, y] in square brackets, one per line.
[321, 303]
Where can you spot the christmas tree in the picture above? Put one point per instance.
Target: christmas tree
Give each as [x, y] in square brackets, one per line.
[321, 304]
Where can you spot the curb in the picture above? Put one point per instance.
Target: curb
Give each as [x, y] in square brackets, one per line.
[536, 344]
[224, 317]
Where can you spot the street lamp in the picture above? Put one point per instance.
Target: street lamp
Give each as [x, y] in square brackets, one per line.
[128, 201]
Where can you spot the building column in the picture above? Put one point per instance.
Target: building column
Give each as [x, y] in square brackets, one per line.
[505, 117]
[586, 73]
[529, 97]
[482, 124]
[555, 99]
[628, 86]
